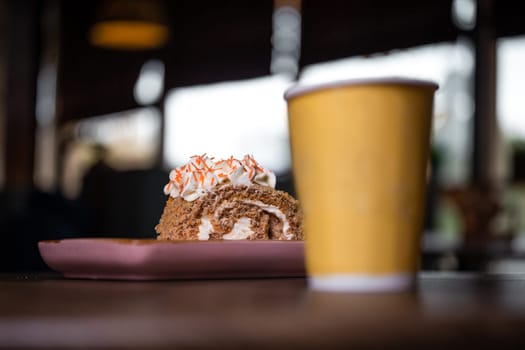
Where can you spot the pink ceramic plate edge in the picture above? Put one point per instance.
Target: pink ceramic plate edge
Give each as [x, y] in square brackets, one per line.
[149, 259]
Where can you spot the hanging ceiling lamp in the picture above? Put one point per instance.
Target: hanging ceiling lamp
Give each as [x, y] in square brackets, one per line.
[130, 25]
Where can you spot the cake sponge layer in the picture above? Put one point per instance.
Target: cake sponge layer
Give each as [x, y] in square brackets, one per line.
[233, 212]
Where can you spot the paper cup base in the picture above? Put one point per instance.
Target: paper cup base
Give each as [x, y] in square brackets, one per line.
[361, 283]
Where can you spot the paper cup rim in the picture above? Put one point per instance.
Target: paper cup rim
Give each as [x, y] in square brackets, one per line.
[300, 89]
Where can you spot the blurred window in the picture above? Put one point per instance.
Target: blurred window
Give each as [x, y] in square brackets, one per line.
[510, 108]
[130, 138]
[230, 118]
[511, 76]
[122, 141]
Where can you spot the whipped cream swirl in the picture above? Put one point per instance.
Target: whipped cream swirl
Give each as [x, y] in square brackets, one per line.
[202, 173]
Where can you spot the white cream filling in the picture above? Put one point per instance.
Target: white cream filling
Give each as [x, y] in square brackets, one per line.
[272, 209]
[205, 228]
[242, 228]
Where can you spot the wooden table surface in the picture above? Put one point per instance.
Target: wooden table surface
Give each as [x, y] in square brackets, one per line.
[466, 311]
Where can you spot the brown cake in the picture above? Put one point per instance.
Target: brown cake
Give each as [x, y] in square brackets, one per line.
[227, 199]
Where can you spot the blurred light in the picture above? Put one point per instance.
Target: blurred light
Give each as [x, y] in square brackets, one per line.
[463, 56]
[129, 25]
[464, 14]
[46, 89]
[462, 106]
[287, 29]
[225, 119]
[128, 35]
[509, 95]
[431, 62]
[286, 41]
[284, 63]
[138, 126]
[150, 83]
[287, 18]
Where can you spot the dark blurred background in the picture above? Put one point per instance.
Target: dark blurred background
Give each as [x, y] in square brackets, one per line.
[99, 99]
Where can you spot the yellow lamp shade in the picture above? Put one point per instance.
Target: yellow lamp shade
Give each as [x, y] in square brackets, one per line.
[128, 34]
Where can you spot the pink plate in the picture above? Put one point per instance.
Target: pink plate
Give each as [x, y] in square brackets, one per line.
[149, 259]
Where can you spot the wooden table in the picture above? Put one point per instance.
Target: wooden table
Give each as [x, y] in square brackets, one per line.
[460, 311]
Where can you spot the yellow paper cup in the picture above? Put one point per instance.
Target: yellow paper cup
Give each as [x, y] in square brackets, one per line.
[360, 150]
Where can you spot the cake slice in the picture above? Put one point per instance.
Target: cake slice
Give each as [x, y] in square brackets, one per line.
[227, 199]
